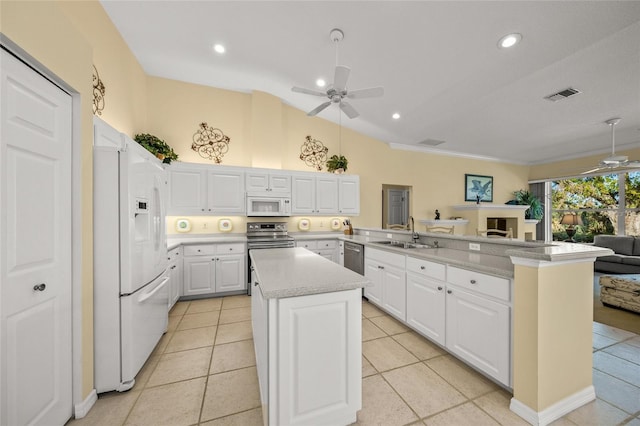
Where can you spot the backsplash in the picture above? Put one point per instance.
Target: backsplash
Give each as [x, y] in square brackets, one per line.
[238, 224]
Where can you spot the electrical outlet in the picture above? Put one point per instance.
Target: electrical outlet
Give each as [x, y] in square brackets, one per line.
[204, 225]
[321, 224]
[389, 235]
[474, 246]
[366, 233]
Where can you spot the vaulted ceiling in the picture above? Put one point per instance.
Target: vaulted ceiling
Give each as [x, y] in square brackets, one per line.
[438, 61]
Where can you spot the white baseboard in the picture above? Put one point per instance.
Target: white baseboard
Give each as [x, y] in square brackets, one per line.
[81, 409]
[555, 411]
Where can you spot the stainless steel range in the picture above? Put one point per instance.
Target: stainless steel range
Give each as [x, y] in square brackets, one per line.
[265, 235]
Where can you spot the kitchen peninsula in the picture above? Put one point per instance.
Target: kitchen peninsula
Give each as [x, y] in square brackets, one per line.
[306, 313]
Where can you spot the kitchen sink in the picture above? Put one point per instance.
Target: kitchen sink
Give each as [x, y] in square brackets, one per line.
[402, 244]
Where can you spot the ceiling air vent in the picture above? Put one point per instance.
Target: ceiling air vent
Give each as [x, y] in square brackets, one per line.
[430, 142]
[563, 94]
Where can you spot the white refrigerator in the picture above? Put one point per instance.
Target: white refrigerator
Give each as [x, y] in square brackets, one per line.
[131, 280]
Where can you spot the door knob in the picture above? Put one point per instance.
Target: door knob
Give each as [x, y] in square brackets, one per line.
[39, 287]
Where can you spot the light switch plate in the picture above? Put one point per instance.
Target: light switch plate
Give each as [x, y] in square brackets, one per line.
[474, 246]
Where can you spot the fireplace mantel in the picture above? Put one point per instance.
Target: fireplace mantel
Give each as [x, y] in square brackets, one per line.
[477, 215]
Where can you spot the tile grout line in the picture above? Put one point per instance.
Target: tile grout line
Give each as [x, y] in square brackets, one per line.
[213, 348]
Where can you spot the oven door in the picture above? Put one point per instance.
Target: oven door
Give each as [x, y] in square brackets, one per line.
[268, 206]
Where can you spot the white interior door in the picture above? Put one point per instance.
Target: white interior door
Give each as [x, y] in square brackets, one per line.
[35, 248]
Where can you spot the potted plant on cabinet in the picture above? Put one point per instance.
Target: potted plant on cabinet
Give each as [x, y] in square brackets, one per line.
[156, 146]
[526, 198]
[337, 164]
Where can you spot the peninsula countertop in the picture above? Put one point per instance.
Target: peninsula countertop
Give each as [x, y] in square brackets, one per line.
[290, 272]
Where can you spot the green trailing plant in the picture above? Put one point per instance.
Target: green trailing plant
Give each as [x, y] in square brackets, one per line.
[526, 198]
[337, 162]
[156, 146]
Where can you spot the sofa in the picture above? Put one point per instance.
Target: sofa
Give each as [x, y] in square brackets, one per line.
[626, 257]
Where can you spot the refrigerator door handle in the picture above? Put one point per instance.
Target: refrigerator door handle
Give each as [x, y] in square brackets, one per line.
[154, 291]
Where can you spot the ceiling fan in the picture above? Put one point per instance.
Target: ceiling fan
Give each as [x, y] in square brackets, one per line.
[613, 161]
[337, 92]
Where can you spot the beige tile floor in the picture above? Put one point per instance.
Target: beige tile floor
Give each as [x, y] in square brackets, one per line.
[203, 373]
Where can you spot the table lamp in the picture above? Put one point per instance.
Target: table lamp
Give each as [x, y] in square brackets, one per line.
[572, 220]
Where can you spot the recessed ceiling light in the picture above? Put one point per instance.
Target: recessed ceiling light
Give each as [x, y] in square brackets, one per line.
[218, 48]
[320, 82]
[509, 40]
[395, 116]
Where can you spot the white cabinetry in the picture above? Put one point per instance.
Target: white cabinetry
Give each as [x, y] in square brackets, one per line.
[426, 298]
[325, 248]
[294, 338]
[314, 194]
[349, 195]
[478, 327]
[196, 189]
[175, 275]
[387, 272]
[257, 180]
[214, 268]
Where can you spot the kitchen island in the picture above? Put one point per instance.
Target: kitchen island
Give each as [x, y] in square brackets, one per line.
[307, 329]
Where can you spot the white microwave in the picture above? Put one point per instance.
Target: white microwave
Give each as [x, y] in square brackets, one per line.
[267, 204]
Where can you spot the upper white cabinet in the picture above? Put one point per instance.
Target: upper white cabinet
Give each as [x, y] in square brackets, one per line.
[187, 190]
[349, 195]
[201, 189]
[265, 181]
[197, 189]
[314, 193]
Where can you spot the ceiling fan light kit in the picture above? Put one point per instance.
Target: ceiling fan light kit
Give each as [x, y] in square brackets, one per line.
[337, 92]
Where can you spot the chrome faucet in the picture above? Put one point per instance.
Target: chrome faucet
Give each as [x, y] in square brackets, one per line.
[414, 235]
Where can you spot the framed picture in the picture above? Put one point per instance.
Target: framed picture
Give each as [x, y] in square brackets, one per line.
[478, 188]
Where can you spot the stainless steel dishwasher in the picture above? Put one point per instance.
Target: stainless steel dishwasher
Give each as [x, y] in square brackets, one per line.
[354, 257]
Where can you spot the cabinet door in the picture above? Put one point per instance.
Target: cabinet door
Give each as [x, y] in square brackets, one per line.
[225, 192]
[327, 194]
[199, 275]
[425, 306]
[394, 291]
[373, 272]
[303, 195]
[174, 291]
[478, 332]
[280, 183]
[187, 192]
[260, 326]
[349, 195]
[256, 181]
[230, 273]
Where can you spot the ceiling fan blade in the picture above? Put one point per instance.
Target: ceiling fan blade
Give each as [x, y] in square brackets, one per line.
[592, 170]
[348, 109]
[340, 78]
[307, 91]
[318, 109]
[371, 92]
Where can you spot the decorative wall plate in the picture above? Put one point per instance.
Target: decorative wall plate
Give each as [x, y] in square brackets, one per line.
[304, 224]
[225, 225]
[183, 225]
[335, 224]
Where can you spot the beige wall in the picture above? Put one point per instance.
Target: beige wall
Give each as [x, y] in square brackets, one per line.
[266, 133]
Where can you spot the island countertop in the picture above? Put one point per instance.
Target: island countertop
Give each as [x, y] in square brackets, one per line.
[290, 272]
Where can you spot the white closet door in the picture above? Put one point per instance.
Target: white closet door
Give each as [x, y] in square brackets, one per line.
[35, 248]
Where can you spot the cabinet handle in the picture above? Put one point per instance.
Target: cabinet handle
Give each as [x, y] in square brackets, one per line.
[439, 288]
[202, 209]
[39, 287]
[255, 283]
[449, 292]
[423, 268]
[380, 267]
[173, 267]
[230, 249]
[472, 281]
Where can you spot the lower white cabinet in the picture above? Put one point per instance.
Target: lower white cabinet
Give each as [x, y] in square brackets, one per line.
[387, 272]
[211, 268]
[426, 306]
[329, 249]
[308, 357]
[175, 275]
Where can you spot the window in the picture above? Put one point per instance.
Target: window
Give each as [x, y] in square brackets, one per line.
[603, 203]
